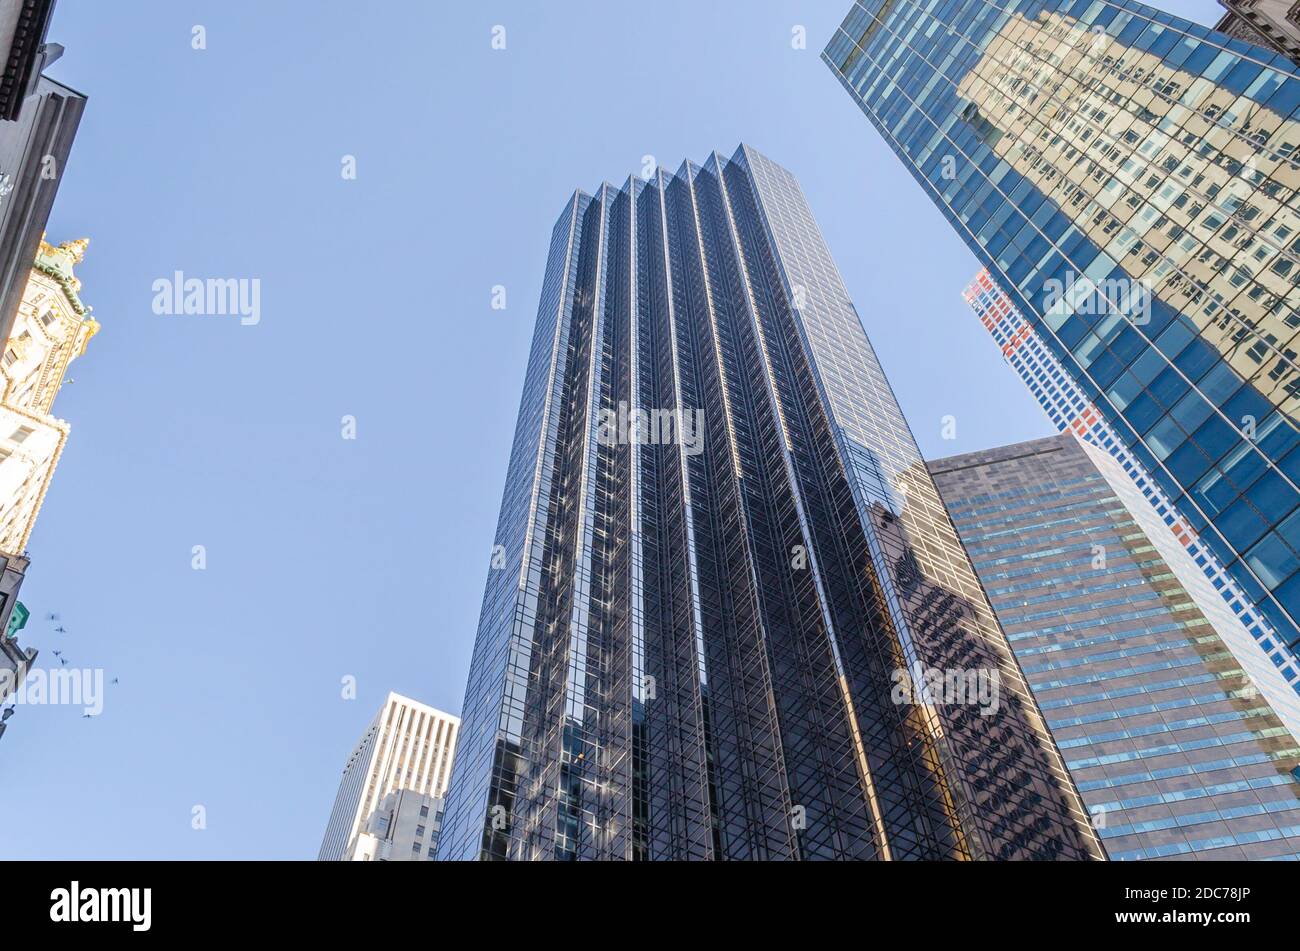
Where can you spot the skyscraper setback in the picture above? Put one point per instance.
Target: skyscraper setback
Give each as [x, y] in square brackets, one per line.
[1129, 180]
[694, 640]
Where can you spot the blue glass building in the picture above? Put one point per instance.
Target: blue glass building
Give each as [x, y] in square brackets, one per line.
[1129, 180]
[715, 640]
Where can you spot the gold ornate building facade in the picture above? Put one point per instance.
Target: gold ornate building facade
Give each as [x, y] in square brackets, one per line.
[51, 330]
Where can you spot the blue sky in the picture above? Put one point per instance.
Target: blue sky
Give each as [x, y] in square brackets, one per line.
[327, 557]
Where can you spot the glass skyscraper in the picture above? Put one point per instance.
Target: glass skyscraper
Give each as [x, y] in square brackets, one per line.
[1070, 409]
[1131, 654]
[727, 615]
[1129, 180]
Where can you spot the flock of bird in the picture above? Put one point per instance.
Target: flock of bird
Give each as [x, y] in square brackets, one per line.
[63, 661]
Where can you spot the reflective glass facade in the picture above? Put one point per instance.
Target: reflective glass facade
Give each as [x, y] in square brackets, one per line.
[1175, 749]
[690, 648]
[1129, 180]
[1070, 409]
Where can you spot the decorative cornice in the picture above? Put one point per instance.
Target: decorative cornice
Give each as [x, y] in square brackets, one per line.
[57, 263]
[23, 55]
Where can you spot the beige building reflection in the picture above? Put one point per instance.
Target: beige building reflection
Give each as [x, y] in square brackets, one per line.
[1192, 189]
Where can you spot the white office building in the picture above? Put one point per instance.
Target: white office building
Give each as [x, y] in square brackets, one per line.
[407, 747]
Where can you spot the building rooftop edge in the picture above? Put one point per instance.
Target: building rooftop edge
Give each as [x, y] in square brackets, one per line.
[1003, 453]
[742, 149]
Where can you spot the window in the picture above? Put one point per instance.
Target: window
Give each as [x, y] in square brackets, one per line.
[21, 433]
[1272, 561]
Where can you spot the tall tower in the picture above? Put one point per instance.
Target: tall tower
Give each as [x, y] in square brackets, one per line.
[1129, 180]
[51, 329]
[719, 560]
[408, 746]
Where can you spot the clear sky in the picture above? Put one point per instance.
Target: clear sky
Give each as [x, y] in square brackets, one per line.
[328, 557]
